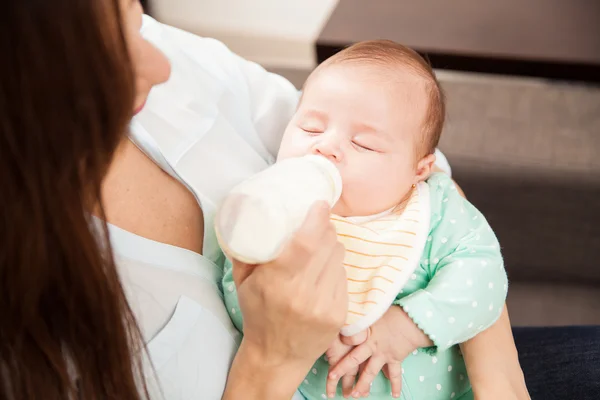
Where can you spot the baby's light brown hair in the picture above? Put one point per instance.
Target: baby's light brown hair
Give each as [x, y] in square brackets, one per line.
[387, 54]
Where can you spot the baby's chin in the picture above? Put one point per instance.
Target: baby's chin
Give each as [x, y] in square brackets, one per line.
[338, 209]
[342, 209]
[348, 206]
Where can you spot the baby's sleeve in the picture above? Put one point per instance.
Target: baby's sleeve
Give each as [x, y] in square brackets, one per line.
[230, 296]
[468, 283]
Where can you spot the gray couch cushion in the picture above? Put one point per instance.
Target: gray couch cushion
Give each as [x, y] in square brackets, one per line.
[527, 154]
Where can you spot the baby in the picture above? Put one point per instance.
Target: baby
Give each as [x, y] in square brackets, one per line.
[377, 111]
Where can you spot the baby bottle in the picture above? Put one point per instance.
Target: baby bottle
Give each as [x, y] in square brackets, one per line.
[260, 215]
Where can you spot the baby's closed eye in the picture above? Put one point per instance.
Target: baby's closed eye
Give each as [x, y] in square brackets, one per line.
[362, 146]
[312, 130]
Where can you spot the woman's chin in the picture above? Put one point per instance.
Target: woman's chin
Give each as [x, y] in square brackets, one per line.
[139, 108]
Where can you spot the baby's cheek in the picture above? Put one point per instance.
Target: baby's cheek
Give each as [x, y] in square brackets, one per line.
[293, 145]
[368, 195]
[355, 201]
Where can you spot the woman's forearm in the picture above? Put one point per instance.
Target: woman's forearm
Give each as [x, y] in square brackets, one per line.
[492, 360]
[252, 377]
[493, 364]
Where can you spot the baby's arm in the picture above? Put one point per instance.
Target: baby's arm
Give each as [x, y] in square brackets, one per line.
[463, 261]
[468, 283]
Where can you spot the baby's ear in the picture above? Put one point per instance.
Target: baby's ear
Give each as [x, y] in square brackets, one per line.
[425, 168]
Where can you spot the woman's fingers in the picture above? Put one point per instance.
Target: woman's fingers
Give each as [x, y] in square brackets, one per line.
[303, 246]
[241, 271]
[393, 371]
[368, 374]
[310, 250]
[315, 227]
[334, 277]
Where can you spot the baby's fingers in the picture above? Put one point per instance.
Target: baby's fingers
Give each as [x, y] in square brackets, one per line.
[368, 374]
[348, 382]
[352, 361]
[393, 371]
[331, 385]
[336, 352]
[357, 339]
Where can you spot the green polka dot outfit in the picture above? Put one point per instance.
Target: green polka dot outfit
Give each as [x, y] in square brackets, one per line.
[457, 291]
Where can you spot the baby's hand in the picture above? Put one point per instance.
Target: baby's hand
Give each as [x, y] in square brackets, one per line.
[336, 352]
[390, 341]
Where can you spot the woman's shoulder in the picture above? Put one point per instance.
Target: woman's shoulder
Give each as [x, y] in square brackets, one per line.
[155, 31]
[189, 52]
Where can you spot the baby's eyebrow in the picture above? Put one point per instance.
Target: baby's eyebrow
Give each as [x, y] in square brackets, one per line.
[365, 128]
[314, 114]
[369, 129]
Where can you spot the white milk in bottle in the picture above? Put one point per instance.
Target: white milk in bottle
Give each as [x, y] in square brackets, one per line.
[260, 215]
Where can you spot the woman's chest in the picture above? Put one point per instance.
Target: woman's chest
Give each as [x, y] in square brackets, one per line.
[142, 199]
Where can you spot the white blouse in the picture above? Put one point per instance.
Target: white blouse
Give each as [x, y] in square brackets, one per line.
[218, 120]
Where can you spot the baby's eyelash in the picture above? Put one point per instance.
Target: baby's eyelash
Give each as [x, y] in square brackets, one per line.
[362, 147]
[312, 131]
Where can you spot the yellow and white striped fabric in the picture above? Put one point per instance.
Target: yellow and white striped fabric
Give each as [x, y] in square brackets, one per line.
[382, 252]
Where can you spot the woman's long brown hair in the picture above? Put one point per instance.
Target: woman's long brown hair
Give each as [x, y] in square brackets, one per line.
[66, 95]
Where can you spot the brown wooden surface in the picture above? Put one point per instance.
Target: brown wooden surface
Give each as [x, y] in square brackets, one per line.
[553, 32]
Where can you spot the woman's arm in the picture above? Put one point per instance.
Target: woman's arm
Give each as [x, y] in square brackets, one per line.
[493, 364]
[251, 377]
[293, 309]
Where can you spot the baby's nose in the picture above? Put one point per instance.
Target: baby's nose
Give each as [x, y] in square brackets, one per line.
[328, 149]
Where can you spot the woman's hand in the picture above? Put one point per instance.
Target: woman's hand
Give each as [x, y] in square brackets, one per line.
[293, 309]
[389, 341]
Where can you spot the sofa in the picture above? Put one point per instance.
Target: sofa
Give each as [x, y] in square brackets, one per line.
[527, 154]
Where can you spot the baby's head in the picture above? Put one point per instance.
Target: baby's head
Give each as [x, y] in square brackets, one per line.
[376, 110]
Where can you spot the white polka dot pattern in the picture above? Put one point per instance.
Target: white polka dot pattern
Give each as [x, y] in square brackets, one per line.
[467, 269]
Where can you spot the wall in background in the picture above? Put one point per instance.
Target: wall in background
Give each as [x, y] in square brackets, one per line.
[274, 33]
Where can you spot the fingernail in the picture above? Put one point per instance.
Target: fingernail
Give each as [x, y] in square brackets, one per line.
[355, 395]
[331, 395]
[396, 395]
[333, 375]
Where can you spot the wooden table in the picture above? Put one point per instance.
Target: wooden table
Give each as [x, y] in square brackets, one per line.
[545, 38]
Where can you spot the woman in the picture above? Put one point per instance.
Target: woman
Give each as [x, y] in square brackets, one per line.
[73, 74]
